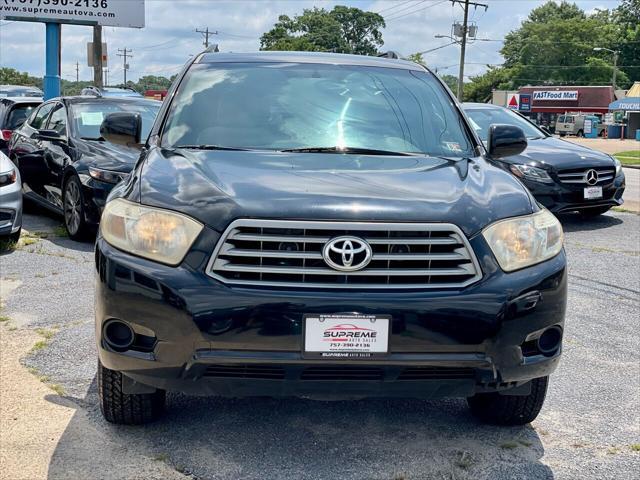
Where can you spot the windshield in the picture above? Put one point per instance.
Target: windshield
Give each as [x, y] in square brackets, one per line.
[87, 117]
[483, 118]
[280, 106]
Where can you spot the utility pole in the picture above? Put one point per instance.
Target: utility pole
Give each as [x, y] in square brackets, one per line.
[77, 72]
[463, 44]
[97, 56]
[616, 53]
[206, 33]
[125, 53]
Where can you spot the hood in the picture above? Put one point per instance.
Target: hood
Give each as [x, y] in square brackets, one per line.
[108, 156]
[554, 153]
[217, 187]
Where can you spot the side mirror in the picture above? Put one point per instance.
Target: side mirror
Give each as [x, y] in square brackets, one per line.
[505, 141]
[122, 128]
[49, 135]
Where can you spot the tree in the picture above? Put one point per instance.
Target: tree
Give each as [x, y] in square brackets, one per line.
[627, 18]
[11, 76]
[342, 30]
[554, 46]
[417, 58]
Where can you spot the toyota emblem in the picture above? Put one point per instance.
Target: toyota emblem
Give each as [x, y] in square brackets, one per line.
[591, 177]
[347, 254]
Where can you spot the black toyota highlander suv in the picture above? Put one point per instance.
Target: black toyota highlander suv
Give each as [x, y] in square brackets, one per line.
[324, 226]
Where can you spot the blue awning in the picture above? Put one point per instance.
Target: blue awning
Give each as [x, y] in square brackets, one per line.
[629, 103]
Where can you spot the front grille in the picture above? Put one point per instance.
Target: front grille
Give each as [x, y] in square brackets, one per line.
[578, 175]
[268, 372]
[272, 253]
[338, 373]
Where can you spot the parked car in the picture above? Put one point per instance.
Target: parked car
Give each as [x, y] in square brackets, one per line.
[65, 163]
[13, 112]
[324, 225]
[10, 200]
[110, 92]
[562, 176]
[573, 124]
[20, 91]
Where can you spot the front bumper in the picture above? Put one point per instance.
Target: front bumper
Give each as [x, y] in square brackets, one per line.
[199, 336]
[562, 197]
[10, 209]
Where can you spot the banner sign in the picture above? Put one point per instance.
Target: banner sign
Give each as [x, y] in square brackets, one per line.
[514, 101]
[550, 95]
[525, 102]
[113, 13]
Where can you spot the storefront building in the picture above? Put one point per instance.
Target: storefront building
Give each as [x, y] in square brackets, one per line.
[544, 104]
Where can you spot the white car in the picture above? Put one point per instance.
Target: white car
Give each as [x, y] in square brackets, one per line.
[10, 200]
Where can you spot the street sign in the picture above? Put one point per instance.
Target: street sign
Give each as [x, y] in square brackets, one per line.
[513, 103]
[112, 13]
[525, 102]
[105, 57]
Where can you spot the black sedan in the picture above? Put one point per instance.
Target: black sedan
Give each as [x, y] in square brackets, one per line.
[562, 176]
[13, 112]
[65, 163]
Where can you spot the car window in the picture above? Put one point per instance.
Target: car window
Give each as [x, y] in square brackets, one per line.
[289, 105]
[87, 117]
[38, 121]
[483, 118]
[58, 120]
[18, 114]
[560, 119]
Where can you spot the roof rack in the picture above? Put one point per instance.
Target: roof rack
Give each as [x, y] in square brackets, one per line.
[390, 54]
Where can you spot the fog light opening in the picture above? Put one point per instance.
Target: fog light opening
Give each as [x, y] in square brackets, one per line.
[549, 341]
[118, 334]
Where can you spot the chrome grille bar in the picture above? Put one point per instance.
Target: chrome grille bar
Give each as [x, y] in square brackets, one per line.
[605, 174]
[274, 253]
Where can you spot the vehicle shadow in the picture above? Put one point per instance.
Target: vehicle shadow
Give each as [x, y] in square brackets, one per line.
[256, 438]
[574, 222]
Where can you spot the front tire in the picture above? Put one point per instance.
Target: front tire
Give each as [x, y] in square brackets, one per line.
[127, 408]
[499, 409]
[74, 214]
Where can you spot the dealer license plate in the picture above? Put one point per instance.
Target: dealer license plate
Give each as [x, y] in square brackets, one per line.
[592, 192]
[346, 336]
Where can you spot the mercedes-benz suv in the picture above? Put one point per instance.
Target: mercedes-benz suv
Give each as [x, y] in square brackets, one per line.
[323, 226]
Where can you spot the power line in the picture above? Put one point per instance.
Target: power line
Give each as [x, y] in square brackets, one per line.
[394, 6]
[416, 11]
[407, 8]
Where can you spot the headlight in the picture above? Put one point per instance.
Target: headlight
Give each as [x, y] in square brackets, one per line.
[618, 166]
[7, 178]
[523, 241]
[531, 173]
[160, 235]
[108, 176]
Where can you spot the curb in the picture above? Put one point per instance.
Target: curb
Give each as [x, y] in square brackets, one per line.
[637, 167]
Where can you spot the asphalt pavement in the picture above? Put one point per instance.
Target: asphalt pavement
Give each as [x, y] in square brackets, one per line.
[589, 427]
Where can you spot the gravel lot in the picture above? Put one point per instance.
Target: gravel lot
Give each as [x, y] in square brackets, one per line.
[588, 429]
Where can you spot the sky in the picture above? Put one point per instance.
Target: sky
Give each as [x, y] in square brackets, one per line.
[169, 37]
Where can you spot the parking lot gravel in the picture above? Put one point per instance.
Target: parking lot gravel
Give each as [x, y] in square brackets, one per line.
[589, 427]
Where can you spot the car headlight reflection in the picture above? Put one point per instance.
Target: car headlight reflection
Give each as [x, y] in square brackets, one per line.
[524, 241]
[160, 235]
[531, 173]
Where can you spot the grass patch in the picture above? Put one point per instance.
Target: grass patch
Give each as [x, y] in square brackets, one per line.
[623, 210]
[39, 345]
[57, 388]
[60, 231]
[47, 334]
[509, 445]
[26, 241]
[613, 451]
[632, 157]
[635, 447]
[4, 318]
[525, 443]
[8, 245]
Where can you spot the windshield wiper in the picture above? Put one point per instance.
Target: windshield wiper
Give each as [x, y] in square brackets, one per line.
[348, 150]
[211, 147]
